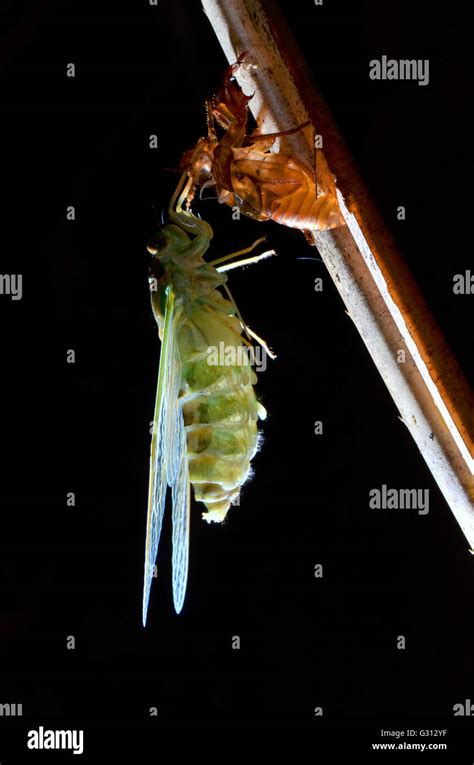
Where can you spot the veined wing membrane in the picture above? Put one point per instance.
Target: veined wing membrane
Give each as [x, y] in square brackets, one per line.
[166, 445]
[181, 510]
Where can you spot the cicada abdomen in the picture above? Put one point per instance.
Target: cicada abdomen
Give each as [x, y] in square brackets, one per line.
[278, 188]
[205, 426]
[219, 404]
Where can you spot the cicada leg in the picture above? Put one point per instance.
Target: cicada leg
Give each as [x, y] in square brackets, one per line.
[246, 328]
[253, 137]
[232, 70]
[211, 131]
[238, 264]
[238, 252]
[183, 218]
[246, 261]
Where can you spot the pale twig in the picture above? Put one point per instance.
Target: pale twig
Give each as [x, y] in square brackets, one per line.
[381, 297]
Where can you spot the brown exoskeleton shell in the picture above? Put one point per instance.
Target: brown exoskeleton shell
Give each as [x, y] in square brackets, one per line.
[265, 185]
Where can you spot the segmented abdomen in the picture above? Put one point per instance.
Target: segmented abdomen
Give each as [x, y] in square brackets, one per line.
[220, 409]
[277, 187]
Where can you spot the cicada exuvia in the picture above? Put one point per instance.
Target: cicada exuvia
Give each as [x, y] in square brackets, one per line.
[263, 184]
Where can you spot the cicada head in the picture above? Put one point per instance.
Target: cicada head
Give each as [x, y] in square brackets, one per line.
[157, 243]
[157, 277]
[165, 244]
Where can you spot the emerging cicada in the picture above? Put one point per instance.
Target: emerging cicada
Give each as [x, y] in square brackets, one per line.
[205, 423]
[265, 185]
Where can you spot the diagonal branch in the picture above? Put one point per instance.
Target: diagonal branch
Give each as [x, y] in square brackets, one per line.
[381, 297]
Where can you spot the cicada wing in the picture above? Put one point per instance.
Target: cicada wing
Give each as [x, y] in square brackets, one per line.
[164, 455]
[181, 519]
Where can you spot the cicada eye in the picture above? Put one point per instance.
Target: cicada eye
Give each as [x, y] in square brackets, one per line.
[203, 170]
[156, 243]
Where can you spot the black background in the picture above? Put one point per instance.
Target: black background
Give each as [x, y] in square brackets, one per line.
[306, 642]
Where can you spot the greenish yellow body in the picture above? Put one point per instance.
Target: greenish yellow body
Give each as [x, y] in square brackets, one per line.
[219, 404]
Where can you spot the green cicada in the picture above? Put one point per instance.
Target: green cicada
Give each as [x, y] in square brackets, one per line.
[205, 420]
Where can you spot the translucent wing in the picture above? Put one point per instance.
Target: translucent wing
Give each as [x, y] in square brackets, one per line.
[181, 506]
[168, 462]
